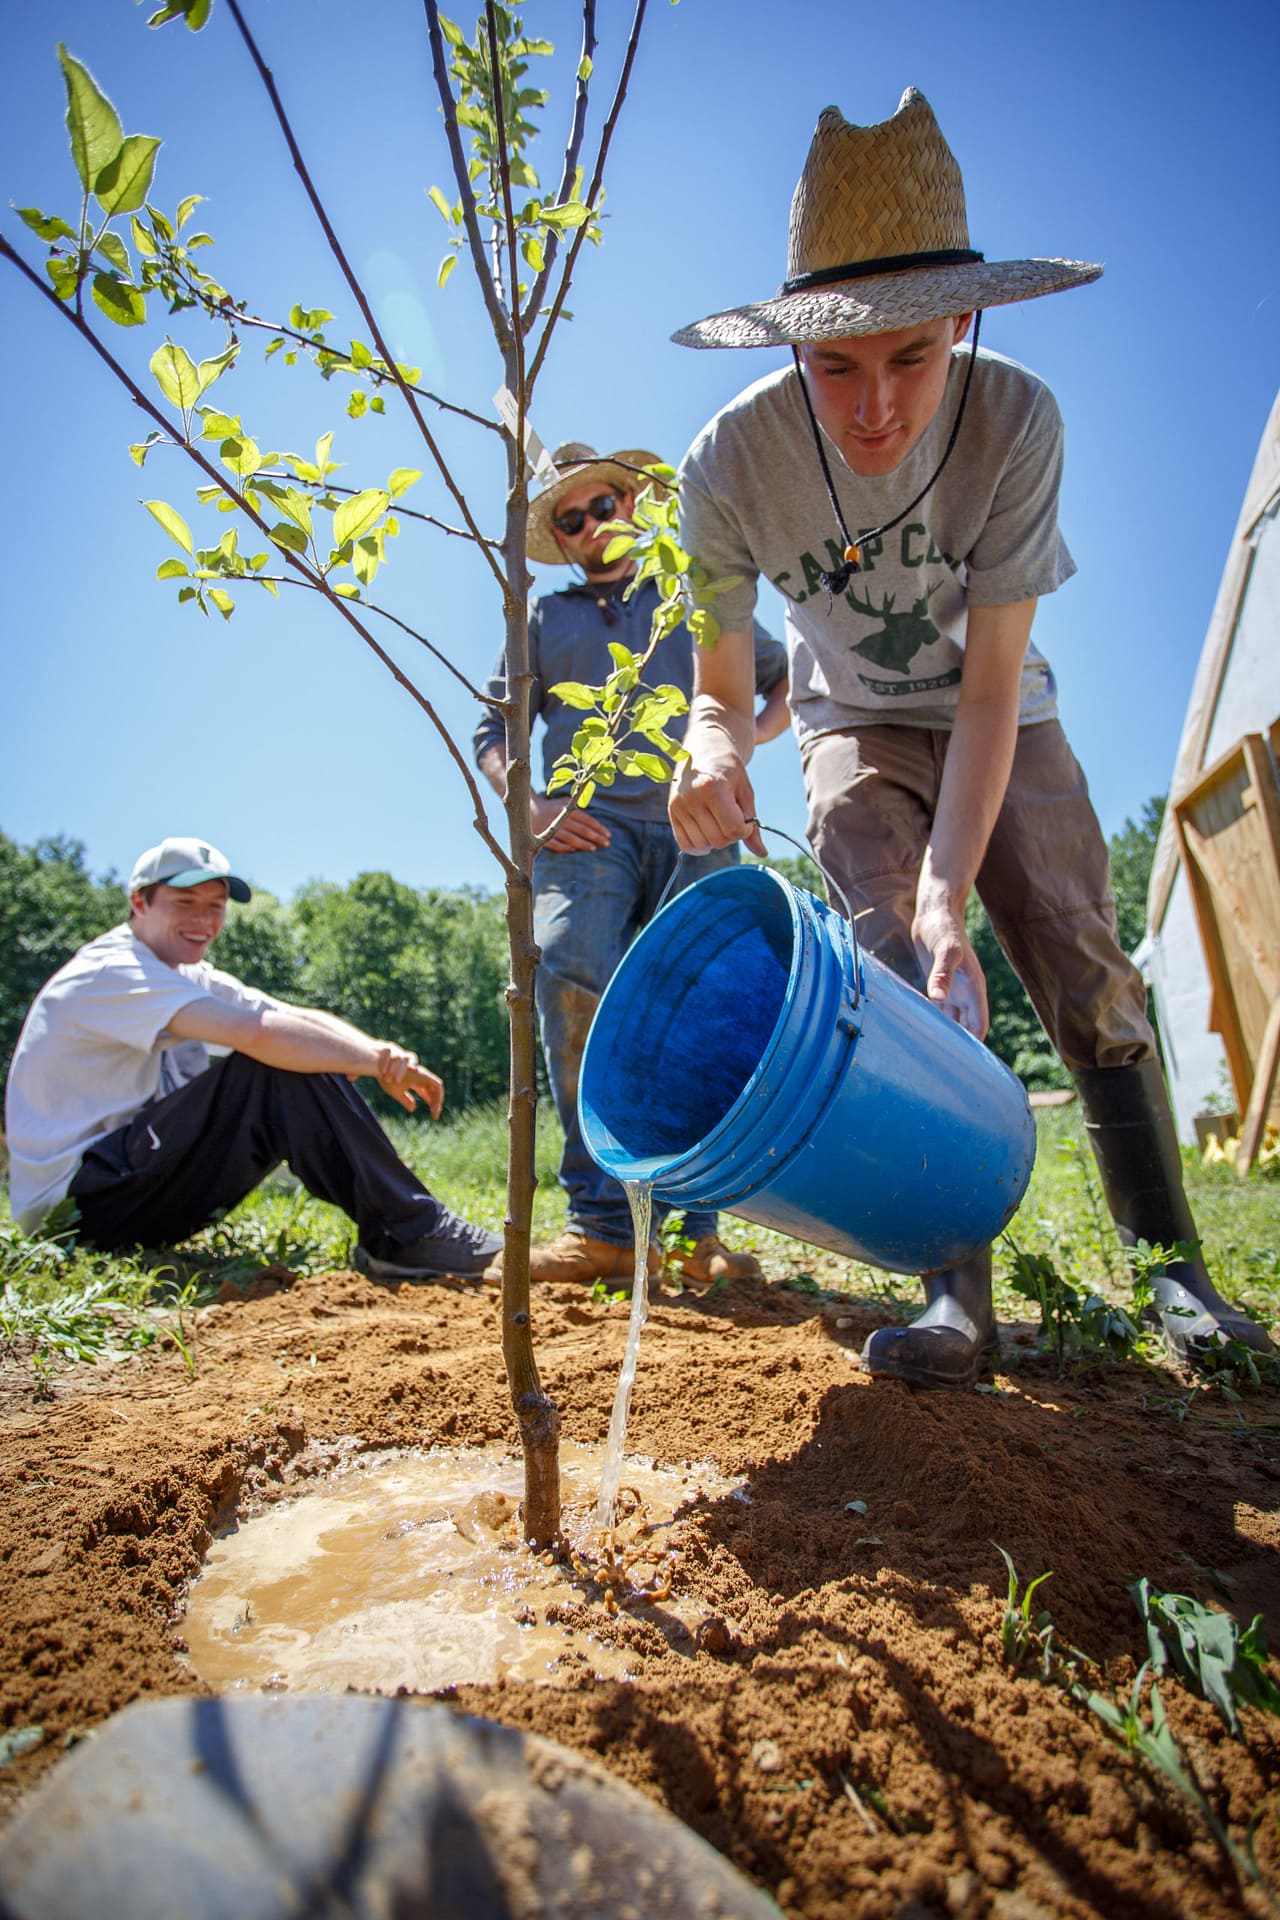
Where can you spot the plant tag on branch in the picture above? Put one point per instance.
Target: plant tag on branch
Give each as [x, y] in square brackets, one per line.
[537, 459]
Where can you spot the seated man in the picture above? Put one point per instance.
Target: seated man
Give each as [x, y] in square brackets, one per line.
[113, 1099]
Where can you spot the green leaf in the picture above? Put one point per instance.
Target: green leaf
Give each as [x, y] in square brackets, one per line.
[172, 522]
[64, 276]
[355, 517]
[218, 426]
[438, 201]
[49, 226]
[585, 67]
[123, 184]
[291, 538]
[346, 590]
[118, 300]
[241, 456]
[222, 601]
[113, 247]
[298, 508]
[447, 266]
[365, 558]
[194, 12]
[176, 375]
[576, 693]
[653, 769]
[171, 570]
[210, 370]
[531, 248]
[571, 214]
[358, 404]
[402, 479]
[92, 121]
[361, 357]
[187, 207]
[139, 452]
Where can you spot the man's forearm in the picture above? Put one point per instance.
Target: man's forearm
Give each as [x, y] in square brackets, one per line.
[308, 1040]
[980, 751]
[493, 765]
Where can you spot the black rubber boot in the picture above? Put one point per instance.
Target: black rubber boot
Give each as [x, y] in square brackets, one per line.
[951, 1342]
[1131, 1131]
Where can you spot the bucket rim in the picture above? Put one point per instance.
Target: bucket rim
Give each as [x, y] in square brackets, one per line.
[662, 1170]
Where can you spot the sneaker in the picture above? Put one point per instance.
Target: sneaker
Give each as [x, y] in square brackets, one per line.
[581, 1258]
[453, 1249]
[711, 1260]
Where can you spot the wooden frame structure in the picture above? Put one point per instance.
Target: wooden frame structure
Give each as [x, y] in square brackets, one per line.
[1228, 827]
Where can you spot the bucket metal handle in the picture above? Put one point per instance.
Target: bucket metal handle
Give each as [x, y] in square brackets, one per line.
[832, 885]
[828, 881]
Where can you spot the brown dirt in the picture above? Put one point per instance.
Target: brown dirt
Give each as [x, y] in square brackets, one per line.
[905, 1770]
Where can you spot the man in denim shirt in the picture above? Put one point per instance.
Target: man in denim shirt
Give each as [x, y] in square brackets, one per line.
[600, 877]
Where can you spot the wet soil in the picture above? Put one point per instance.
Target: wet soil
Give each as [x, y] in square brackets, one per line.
[842, 1726]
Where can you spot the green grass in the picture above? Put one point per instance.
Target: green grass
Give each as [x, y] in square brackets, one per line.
[58, 1299]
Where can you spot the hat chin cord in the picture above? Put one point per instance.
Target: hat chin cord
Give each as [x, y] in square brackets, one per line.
[839, 577]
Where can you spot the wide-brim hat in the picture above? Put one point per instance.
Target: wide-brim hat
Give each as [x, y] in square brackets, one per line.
[879, 240]
[575, 462]
[186, 863]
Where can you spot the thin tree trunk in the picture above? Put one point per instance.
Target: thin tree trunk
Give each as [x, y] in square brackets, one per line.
[536, 1414]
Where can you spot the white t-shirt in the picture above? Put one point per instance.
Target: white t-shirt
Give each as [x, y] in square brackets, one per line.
[94, 1049]
[891, 647]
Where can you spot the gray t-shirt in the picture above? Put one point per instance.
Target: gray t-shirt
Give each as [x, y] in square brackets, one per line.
[889, 649]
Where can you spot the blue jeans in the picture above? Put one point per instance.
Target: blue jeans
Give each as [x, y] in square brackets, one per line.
[588, 908]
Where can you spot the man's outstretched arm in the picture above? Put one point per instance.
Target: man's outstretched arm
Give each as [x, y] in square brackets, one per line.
[306, 1040]
[974, 780]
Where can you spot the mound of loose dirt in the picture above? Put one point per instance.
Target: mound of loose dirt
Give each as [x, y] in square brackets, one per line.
[844, 1729]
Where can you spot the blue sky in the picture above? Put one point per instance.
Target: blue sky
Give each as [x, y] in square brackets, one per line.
[1138, 135]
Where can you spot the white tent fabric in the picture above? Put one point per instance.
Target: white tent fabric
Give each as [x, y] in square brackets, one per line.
[1236, 691]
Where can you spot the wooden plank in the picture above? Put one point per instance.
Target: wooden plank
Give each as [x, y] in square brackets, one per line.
[1255, 1119]
[1224, 1019]
[1228, 827]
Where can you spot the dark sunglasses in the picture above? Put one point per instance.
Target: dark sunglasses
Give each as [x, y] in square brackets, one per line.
[602, 507]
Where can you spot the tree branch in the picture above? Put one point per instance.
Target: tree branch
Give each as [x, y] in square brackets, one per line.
[306, 576]
[573, 146]
[499, 319]
[331, 486]
[597, 176]
[357, 291]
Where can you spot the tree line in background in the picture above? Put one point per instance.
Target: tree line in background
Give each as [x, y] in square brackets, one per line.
[424, 966]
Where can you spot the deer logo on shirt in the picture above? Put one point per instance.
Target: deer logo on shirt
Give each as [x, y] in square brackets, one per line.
[900, 636]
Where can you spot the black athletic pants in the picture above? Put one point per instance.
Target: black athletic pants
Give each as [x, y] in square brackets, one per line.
[205, 1146]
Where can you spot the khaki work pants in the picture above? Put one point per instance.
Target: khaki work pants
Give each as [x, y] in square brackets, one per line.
[1045, 879]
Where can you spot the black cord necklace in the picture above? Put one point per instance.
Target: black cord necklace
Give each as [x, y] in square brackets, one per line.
[839, 577]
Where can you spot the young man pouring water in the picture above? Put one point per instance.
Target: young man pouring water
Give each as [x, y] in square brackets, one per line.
[899, 486]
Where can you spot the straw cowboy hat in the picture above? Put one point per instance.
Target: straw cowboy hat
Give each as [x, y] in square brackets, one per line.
[575, 462]
[879, 240]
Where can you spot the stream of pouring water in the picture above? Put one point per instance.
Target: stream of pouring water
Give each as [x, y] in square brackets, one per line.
[640, 1195]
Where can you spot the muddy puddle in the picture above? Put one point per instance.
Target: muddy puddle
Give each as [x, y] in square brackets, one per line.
[406, 1570]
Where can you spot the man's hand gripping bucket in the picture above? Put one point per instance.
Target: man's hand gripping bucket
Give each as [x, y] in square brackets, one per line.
[749, 1056]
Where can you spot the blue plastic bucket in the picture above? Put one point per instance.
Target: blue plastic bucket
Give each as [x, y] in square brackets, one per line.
[745, 1056]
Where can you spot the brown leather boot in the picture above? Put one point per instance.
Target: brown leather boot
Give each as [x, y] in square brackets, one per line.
[579, 1258]
[711, 1260]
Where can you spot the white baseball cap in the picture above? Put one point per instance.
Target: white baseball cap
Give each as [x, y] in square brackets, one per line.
[185, 863]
